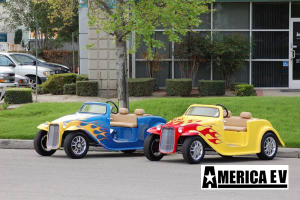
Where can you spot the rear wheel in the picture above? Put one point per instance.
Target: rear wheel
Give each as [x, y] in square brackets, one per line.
[151, 148]
[128, 151]
[269, 147]
[193, 150]
[40, 144]
[76, 145]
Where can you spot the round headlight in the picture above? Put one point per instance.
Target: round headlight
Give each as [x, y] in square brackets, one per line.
[46, 124]
[180, 129]
[64, 125]
[158, 127]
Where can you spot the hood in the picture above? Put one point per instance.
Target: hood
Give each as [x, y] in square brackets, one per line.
[6, 70]
[74, 117]
[188, 120]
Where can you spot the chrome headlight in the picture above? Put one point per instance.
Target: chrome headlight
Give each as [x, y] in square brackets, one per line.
[159, 127]
[65, 125]
[46, 124]
[180, 129]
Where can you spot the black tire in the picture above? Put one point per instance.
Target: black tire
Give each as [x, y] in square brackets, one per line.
[40, 144]
[187, 151]
[264, 155]
[151, 148]
[128, 151]
[71, 151]
[33, 81]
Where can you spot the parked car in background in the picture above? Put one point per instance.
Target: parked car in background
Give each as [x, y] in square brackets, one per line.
[7, 79]
[28, 59]
[23, 69]
[22, 81]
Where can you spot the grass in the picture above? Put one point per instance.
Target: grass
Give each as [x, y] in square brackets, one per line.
[282, 112]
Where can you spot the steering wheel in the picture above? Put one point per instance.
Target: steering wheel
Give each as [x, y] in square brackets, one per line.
[224, 109]
[113, 107]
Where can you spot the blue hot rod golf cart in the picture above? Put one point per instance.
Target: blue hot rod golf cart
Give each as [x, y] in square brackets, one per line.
[95, 124]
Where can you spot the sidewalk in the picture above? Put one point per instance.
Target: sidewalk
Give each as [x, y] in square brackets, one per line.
[277, 93]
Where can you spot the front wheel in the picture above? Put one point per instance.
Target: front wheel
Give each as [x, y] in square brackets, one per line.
[269, 147]
[76, 145]
[193, 150]
[40, 144]
[151, 148]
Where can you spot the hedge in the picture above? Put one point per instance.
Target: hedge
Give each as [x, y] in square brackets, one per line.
[18, 95]
[245, 90]
[70, 88]
[232, 87]
[179, 87]
[55, 83]
[140, 87]
[87, 88]
[211, 88]
[82, 77]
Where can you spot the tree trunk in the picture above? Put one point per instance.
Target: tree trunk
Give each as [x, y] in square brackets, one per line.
[122, 81]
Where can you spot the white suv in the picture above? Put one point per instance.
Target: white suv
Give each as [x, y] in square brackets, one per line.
[8, 62]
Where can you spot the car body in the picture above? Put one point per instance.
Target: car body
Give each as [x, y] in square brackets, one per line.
[9, 61]
[204, 127]
[7, 79]
[28, 59]
[98, 125]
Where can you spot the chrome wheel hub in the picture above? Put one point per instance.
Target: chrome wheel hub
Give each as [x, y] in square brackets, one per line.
[44, 142]
[78, 145]
[270, 146]
[196, 150]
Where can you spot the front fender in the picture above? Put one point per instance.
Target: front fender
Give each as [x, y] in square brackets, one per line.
[74, 128]
[153, 129]
[43, 127]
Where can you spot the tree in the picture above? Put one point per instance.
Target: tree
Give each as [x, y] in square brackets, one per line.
[120, 18]
[18, 36]
[52, 31]
[193, 51]
[230, 53]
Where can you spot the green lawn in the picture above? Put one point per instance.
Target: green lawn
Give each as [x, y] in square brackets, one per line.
[283, 113]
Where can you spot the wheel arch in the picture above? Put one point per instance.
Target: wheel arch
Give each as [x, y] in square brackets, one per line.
[270, 130]
[67, 132]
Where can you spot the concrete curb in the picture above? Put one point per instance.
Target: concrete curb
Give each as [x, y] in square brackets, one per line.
[28, 144]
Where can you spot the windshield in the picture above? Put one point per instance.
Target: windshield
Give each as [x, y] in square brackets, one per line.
[93, 108]
[203, 111]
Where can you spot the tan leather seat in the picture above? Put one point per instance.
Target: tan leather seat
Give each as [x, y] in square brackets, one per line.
[237, 123]
[139, 112]
[225, 114]
[124, 119]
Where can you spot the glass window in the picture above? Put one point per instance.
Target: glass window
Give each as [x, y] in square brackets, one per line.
[3, 37]
[241, 76]
[22, 59]
[203, 111]
[269, 74]
[231, 16]
[270, 15]
[218, 35]
[271, 45]
[5, 61]
[93, 108]
[295, 10]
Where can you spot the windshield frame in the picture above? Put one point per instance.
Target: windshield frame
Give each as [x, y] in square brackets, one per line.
[94, 104]
[203, 115]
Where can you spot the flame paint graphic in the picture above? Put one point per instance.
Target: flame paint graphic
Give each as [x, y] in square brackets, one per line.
[94, 128]
[208, 130]
[182, 121]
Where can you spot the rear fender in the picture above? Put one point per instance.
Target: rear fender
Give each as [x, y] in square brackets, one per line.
[270, 129]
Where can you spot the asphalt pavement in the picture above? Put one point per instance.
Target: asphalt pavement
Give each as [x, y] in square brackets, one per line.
[101, 175]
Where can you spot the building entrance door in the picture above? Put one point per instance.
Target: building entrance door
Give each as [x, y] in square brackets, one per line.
[295, 54]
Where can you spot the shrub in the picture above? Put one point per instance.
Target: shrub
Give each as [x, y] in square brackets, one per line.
[55, 83]
[42, 89]
[87, 88]
[178, 87]
[18, 95]
[141, 87]
[232, 87]
[211, 88]
[82, 77]
[245, 90]
[70, 88]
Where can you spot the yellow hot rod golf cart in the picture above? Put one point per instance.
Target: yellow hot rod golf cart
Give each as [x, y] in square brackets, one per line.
[203, 127]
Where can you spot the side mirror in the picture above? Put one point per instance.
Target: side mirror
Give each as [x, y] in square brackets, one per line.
[12, 65]
[34, 62]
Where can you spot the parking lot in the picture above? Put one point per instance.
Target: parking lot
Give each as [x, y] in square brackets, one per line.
[101, 175]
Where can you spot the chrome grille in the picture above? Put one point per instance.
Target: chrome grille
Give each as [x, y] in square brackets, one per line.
[53, 136]
[167, 140]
